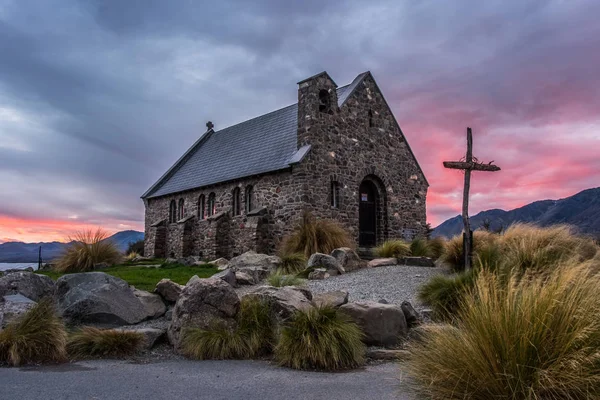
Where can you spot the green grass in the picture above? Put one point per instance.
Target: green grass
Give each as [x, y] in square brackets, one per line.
[392, 249]
[279, 280]
[146, 278]
[292, 263]
[90, 342]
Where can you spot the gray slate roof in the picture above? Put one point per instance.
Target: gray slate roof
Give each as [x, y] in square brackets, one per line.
[262, 144]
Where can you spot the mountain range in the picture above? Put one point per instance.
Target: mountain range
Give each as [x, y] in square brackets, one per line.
[19, 252]
[581, 210]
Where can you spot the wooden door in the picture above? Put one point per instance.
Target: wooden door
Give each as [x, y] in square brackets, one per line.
[367, 217]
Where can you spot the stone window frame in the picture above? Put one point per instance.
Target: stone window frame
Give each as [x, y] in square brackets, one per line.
[236, 208]
[248, 198]
[181, 209]
[334, 193]
[212, 204]
[172, 211]
[201, 207]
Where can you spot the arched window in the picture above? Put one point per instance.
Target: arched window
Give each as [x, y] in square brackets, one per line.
[370, 119]
[212, 207]
[201, 211]
[181, 209]
[335, 194]
[248, 198]
[324, 101]
[235, 202]
[172, 212]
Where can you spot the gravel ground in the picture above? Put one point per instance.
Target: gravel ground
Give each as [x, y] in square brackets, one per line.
[394, 283]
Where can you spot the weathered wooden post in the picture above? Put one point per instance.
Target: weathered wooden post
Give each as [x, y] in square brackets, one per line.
[469, 164]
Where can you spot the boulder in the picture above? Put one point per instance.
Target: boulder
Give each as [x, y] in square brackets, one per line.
[417, 261]
[228, 276]
[202, 303]
[382, 324]
[328, 262]
[30, 285]
[221, 263]
[284, 301]
[12, 307]
[318, 273]
[98, 298]
[411, 315]
[382, 262]
[250, 275]
[100, 266]
[151, 335]
[348, 259]
[253, 259]
[189, 261]
[168, 290]
[244, 278]
[335, 299]
[155, 307]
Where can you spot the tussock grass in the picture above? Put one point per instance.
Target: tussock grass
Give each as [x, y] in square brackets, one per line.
[88, 248]
[444, 293]
[453, 254]
[90, 342]
[130, 256]
[279, 280]
[525, 337]
[36, 337]
[253, 336]
[432, 248]
[392, 249]
[292, 263]
[322, 338]
[316, 236]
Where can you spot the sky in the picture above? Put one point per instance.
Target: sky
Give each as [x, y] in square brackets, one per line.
[99, 98]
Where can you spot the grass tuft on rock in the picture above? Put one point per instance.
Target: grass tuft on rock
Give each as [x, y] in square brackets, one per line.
[321, 338]
[253, 336]
[292, 263]
[39, 336]
[279, 280]
[90, 342]
[87, 249]
[316, 236]
[392, 249]
[525, 337]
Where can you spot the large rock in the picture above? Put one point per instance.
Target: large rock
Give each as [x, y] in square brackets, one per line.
[284, 301]
[331, 264]
[12, 306]
[318, 274]
[202, 303]
[382, 324]
[228, 276]
[417, 262]
[382, 262]
[253, 267]
[221, 263]
[98, 298]
[412, 316]
[249, 275]
[348, 259]
[155, 307]
[30, 285]
[334, 299]
[168, 290]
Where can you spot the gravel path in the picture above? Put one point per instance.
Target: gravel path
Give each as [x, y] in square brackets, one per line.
[394, 283]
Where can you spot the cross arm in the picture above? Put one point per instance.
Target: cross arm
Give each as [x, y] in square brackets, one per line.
[473, 166]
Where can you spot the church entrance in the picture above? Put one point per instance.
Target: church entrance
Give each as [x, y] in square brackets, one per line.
[367, 213]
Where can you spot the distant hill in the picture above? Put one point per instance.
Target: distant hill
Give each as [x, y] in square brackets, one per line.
[28, 252]
[581, 210]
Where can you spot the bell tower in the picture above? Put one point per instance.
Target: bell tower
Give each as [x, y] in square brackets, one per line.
[317, 105]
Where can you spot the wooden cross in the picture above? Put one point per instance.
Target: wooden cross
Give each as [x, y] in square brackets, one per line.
[470, 164]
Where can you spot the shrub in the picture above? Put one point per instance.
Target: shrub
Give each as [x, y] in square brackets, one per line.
[89, 342]
[534, 338]
[444, 293]
[87, 249]
[322, 338]
[392, 248]
[36, 337]
[254, 335]
[136, 247]
[316, 236]
[279, 280]
[432, 248]
[292, 263]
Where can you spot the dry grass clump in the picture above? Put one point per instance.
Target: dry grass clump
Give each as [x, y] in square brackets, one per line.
[279, 280]
[453, 254]
[131, 256]
[322, 338]
[316, 236]
[525, 337]
[88, 249]
[36, 337]
[90, 342]
[292, 263]
[444, 293]
[392, 249]
[253, 336]
[432, 248]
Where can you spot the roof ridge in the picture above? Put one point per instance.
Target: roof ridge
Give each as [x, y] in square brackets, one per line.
[258, 116]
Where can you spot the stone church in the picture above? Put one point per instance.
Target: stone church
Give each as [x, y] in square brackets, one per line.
[338, 153]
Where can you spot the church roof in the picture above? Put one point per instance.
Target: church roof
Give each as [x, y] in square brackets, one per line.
[263, 144]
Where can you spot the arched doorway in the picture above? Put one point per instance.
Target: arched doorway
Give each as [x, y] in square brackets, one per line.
[368, 202]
